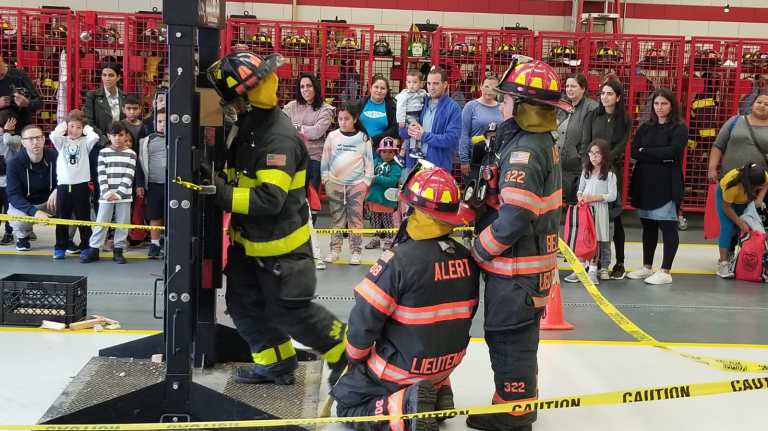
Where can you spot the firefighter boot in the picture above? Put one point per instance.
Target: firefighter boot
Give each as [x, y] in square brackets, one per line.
[336, 356]
[496, 422]
[420, 397]
[444, 400]
[280, 373]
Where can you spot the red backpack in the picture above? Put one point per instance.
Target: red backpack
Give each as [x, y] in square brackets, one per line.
[580, 231]
[749, 261]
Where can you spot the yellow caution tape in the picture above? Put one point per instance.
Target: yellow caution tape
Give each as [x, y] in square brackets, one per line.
[187, 184]
[69, 222]
[635, 331]
[631, 396]
[369, 231]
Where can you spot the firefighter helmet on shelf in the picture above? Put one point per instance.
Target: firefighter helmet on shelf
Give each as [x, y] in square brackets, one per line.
[7, 28]
[238, 73]
[562, 52]
[532, 80]
[261, 40]
[435, 192]
[459, 48]
[506, 50]
[707, 58]
[59, 30]
[348, 44]
[655, 56]
[608, 54]
[381, 48]
[108, 34]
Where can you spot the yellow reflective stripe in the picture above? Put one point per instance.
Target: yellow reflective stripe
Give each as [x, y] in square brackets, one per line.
[702, 103]
[231, 174]
[332, 356]
[269, 356]
[270, 176]
[707, 133]
[241, 198]
[287, 350]
[299, 179]
[275, 247]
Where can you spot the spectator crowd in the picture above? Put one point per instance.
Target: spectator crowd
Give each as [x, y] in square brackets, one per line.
[108, 163]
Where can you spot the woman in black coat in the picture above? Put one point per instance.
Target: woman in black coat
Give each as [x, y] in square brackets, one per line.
[101, 111]
[656, 188]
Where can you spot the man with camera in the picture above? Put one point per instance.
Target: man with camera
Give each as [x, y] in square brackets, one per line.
[18, 93]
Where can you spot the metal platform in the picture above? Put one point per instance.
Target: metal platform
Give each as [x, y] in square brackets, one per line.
[103, 379]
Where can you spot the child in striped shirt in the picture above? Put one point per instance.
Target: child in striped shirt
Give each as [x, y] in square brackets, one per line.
[116, 169]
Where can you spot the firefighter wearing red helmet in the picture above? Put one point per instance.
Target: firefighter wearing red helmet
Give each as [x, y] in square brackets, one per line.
[271, 270]
[517, 237]
[409, 328]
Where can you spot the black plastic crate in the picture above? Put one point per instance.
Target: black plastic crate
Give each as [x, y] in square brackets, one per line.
[28, 299]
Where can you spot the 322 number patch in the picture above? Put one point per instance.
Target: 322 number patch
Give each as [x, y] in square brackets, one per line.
[515, 176]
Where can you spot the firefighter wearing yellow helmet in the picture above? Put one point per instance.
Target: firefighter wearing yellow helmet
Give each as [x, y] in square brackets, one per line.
[517, 236]
[271, 271]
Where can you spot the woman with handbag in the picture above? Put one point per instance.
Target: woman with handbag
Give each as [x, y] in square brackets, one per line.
[742, 140]
[656, 188]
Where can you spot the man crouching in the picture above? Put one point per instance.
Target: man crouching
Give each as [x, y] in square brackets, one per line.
[409, 328]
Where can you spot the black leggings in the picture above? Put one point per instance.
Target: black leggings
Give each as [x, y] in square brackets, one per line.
[651, 238]
[619, 239]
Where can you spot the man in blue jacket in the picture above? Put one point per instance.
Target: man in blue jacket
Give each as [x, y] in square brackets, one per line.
[439, 126]
[31, 183]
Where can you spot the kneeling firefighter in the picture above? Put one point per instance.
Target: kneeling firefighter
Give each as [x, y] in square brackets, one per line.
[271, 270]
[517, 238]
[409, 328]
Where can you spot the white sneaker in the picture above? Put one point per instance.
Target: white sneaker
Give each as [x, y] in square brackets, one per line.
[332, 257]
[571, 278]
[659, 277]
[355, 259]
[603, 274]
[320, 265]
[593, 277]
[640, 274]
[724, 270]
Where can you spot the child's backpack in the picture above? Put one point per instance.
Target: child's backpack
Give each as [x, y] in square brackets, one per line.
[580, 231]
[749, 264]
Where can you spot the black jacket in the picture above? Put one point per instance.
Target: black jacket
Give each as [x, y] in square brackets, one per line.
[413, 311]
[520, 238]
[98, 112]
[392, 130]
[19, 79]
[265, 188]
[600, 124]
[657, 176]
[31, 184]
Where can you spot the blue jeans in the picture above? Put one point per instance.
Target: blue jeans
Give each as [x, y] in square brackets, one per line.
[728, 229]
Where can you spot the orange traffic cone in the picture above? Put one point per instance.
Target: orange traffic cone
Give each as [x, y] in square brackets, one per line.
[553, 314]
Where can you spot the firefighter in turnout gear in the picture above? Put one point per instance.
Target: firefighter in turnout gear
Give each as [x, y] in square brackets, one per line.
[409, 328]
[271, 270]
[517, 237]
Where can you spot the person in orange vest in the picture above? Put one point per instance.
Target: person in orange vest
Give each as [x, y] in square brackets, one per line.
[409, 328]
[517, 236]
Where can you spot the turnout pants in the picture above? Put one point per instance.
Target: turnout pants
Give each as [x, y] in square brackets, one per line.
[512, 334]
[270, 302]
[359, 392]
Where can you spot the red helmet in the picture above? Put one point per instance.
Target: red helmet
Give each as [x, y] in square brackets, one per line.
[535, 81]
[435, 192]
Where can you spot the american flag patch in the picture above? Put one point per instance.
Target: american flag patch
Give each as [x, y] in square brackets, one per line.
[276, 159]
[519, 157]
